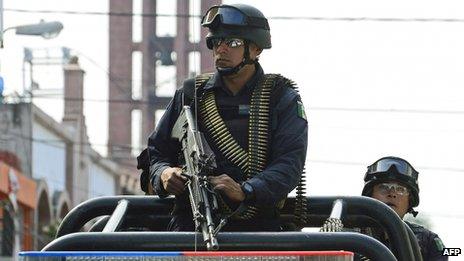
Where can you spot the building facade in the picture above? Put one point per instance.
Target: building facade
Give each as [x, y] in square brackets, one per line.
[47, 167]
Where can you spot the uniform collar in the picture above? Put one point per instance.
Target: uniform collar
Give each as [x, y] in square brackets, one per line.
[216, 80]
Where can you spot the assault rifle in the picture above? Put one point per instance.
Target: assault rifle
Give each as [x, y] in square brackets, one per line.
[199, 162]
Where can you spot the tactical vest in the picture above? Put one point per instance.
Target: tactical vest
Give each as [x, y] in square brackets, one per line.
[254, 160]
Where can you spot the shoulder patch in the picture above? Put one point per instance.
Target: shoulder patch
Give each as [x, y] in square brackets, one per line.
[439, 244]
[301, 111]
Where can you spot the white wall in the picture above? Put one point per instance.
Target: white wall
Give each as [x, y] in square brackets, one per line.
[48, 158]
[101, 182]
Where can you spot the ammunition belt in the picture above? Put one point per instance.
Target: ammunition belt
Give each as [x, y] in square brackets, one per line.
[219, 132]
[255, 160]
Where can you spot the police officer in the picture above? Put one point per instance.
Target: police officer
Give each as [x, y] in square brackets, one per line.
[254, 122]
[394, 181]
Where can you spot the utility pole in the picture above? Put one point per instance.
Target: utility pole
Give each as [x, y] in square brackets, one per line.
[1, 23]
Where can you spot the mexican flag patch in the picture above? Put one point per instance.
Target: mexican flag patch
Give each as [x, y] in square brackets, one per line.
[301, 111]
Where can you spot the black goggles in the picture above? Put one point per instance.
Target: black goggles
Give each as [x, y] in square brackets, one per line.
[230, 15]
[389, 163]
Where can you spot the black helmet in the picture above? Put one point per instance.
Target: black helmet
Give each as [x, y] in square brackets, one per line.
[392, 169]
[239, 21]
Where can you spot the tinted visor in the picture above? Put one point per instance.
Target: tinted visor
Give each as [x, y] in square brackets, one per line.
[391, 164]
[229, 15]
[230, 42]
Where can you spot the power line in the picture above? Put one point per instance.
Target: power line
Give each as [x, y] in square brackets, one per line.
[441, 215]
[113, 79]
[123, 84]
[313, 18]
[47, 96]
[98, 13]
[369, 19]
[386, 110]
[59, 182]
[336, 162]
[392, 110]
[57, 143]
[60, 144]
[353, 163]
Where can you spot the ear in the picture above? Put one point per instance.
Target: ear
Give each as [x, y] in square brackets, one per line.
[255, 50]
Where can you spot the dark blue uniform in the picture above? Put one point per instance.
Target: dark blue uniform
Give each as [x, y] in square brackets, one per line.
[287, 152]
[431, 246]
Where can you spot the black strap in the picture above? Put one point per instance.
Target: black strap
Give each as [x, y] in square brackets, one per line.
[143, 164]
[189, 87]
[188, 91]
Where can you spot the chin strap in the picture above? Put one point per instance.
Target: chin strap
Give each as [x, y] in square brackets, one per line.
[413, 212]
[224, 71]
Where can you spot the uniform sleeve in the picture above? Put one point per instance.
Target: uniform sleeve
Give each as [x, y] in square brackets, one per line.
[429, 242]
[162, 149]
[435, 249]
[287, 152]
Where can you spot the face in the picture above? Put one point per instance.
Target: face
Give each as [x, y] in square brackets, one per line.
[393, 194]
[229, 52]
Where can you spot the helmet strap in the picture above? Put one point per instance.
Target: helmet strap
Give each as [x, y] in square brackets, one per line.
[413, 212]
[225, 71]
[246, 54]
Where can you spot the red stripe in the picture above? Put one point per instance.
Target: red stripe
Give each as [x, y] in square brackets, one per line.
[269, 253]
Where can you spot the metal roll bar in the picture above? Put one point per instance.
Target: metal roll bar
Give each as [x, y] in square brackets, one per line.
[228, 241]
[153, 213]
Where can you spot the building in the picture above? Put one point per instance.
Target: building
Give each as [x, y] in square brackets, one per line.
[18, 200]
[134, 62]
[53, 166]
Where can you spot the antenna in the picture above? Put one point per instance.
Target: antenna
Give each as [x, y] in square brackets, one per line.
[195, 74]
[194, 58]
